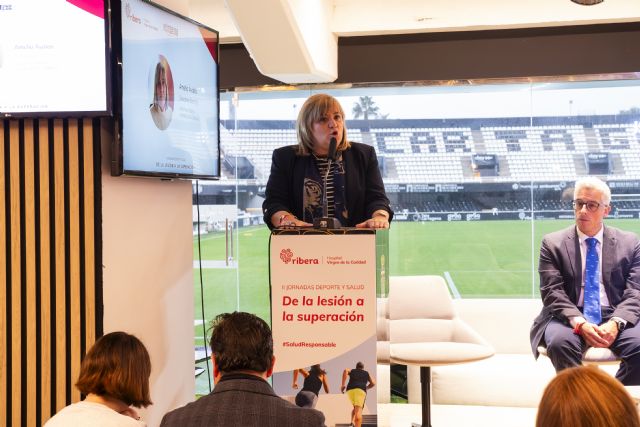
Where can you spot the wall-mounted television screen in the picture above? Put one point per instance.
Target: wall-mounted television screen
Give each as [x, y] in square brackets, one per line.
[53, 58]
[168, 94]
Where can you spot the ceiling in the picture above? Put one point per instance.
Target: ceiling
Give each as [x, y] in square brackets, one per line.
[306, 31]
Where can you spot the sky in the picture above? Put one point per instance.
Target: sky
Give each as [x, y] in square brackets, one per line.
[493, 101]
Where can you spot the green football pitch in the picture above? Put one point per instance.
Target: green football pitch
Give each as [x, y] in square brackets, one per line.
[480, 259]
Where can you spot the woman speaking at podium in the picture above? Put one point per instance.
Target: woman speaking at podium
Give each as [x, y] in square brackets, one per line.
[354, 190]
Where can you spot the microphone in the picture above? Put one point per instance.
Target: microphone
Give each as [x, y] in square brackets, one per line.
[326, 221]
[332, 150]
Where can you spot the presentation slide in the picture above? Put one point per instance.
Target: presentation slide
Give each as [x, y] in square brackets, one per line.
[52, 56]
[169, 93]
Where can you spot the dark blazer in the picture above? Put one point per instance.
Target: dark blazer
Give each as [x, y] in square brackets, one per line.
[363, 184]
[242, 400]
[560, 271]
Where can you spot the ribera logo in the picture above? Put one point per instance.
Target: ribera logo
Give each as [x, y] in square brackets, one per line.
[4, 7]
[130, 15]
[286, 255]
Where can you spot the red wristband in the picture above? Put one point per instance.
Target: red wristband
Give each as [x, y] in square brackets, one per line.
[578, 328]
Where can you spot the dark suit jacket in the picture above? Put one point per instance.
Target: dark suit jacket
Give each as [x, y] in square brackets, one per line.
[245, 401]
[560, 271]
[363, 184]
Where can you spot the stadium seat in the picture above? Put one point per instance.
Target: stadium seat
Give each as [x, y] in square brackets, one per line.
[426, 153]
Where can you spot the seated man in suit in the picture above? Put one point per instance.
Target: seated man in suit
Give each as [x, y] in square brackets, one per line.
[242, 355]
[590, 287]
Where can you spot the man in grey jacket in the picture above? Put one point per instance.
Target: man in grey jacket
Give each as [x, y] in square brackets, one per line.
[590, 287]
[242, 354]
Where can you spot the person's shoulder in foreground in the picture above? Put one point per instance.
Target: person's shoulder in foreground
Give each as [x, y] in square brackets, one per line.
[114, 376]
[242, 356]
[243, 404]
[586, 396]
[91, 413]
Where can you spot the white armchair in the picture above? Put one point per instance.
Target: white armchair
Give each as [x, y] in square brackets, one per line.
[592, 356]
[425, 331]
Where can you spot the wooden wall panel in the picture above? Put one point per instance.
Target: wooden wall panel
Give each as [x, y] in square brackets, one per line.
[60, 307]
[73, 220]
[44, 264]
[29, 291]
[4, 307]
[89, 235]
[13, 288]
[49, 235]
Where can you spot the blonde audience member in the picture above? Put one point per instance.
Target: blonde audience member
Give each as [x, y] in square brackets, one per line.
[586, 397]
[114, 376]
[301, 173]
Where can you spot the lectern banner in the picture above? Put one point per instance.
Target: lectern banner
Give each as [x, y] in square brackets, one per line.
[323, 318]
[323, 296]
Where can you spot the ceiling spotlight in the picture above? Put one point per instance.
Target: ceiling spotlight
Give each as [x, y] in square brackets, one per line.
[587, 2]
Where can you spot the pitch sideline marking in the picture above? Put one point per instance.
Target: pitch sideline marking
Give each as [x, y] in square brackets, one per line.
[452, 285]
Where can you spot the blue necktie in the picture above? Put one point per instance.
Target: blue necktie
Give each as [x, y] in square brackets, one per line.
[592, 284]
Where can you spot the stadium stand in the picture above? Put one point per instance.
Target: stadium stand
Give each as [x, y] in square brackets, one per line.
[597, 163]
[440, 151]
[615, 136]
[631, 162]
[628, 204]
[485, 164]
[240, 166]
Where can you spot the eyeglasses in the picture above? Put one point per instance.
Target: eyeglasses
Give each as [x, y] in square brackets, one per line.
[591, 205]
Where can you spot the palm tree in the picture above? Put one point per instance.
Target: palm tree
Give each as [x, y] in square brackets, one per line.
[365, 107]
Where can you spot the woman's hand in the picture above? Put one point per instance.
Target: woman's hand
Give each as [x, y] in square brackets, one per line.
[378, 221]
[294, 222]
[283, 219]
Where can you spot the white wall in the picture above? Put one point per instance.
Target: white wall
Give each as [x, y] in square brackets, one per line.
[148, 277]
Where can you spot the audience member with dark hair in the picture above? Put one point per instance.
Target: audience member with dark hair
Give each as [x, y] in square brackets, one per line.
[314, 379]
[114, 376]
[586, 397]
[242, 356]
[359, 382]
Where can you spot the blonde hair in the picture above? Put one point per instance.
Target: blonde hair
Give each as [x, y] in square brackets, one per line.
[312, 110]
[586, 397]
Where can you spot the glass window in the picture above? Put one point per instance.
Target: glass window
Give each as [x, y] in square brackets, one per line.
[476, 174]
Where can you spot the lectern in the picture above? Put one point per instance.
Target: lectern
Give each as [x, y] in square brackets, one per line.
[324, 285]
